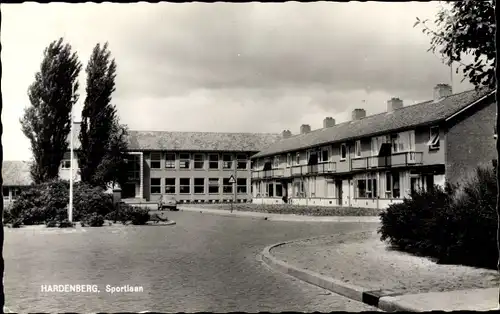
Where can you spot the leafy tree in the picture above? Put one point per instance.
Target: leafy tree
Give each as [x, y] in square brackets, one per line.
[46, 123]
[100, 134]
[468, 28]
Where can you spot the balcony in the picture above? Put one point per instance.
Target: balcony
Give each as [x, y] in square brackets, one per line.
[394, 160]
[299, 170]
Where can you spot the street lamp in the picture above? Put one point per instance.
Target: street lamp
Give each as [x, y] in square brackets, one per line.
[70, 206]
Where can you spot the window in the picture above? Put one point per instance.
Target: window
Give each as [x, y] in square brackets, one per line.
[170, 160]
[227, 161]
[343, 152]
[270, 189]
[15, 192]
[374, 188]
[66, 164]
[324, 155]
[213, 161]
[213, 185]
[199, 185]
[155, 160]
[199, 163]
[227, 187]
[185, 185]
[361, 188]
[276, 163]
[155, 185]
[279, 190]
[297, 159]
[388, 184]
[169, 185]
[289, 160]
[397, 143]
[184, 160]
[433, 138]
[395, 185]
[299, 188]
[242, 161]
[5, 191]
[241, 185]
[357, 148]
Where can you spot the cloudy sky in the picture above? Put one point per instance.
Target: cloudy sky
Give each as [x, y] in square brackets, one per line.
[225, 67]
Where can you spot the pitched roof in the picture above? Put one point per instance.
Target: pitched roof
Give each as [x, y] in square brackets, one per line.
[406, 117]
[193, 141]
[16, 173]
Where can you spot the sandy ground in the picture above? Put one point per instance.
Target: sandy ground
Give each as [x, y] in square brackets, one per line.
[365, 261]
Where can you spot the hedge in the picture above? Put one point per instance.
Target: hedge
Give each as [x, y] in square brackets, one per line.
[455, 225]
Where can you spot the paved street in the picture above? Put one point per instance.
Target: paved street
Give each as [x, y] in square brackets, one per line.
[204, 263]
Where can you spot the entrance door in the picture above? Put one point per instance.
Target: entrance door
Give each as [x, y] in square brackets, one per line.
[338, 186]
[128, 190]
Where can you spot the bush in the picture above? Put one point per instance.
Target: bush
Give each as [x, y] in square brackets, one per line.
[17, 223]
[456, 225]
[89, 200]
[41, 203]
[93, 220]
[126, 213]
[66, 224]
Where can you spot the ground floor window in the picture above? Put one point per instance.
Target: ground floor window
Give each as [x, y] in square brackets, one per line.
[361, 188]
[213, 186]
[242, 185]
[184, 185]
[270, 189]
[199, 185]
[298, 187]
[392, 185]
[366, 187]
[227, 187]
[169, 185]
[155, 185]
[279, 190]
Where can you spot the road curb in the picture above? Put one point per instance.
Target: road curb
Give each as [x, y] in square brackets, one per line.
[283, 217]
[382, 299]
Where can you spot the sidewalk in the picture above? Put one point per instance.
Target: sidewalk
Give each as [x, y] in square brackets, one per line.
[360, 267]
[280, 217]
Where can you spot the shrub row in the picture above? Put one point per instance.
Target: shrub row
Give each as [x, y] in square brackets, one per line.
[125, 213]
[455, 225]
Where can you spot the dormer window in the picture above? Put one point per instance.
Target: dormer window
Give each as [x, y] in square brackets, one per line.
[433, 138]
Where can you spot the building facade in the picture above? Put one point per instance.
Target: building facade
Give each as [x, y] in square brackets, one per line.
[373, 161]
[190, 166]
[16, 177]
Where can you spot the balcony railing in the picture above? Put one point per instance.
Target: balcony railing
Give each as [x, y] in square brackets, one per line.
[395, 160]
[299, 170]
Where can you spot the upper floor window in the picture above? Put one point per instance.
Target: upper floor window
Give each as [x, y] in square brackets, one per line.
[276, 162]
[170, 160]
[297, 159]
[184, 160]
[242, 161]
[325, 156]
[433, 138]
[343, 151]
[397, 143]
[199, 163]
[288, 160]
[227, 161]
[213, 161]
[357, 148]
[155, 160]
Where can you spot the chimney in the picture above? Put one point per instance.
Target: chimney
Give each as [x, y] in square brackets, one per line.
[441, 91]
[286, 134]
[393, 104]
[358, 114]
[305, 128]
[328, 122]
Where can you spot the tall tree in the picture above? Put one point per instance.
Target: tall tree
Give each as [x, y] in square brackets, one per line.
[46, 123]
[100, 128]
[468, 28]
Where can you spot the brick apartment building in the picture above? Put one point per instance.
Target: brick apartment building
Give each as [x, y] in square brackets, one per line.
[373, 161]
[191, 166]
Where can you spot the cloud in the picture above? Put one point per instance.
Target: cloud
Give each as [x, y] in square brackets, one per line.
[255, 67]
